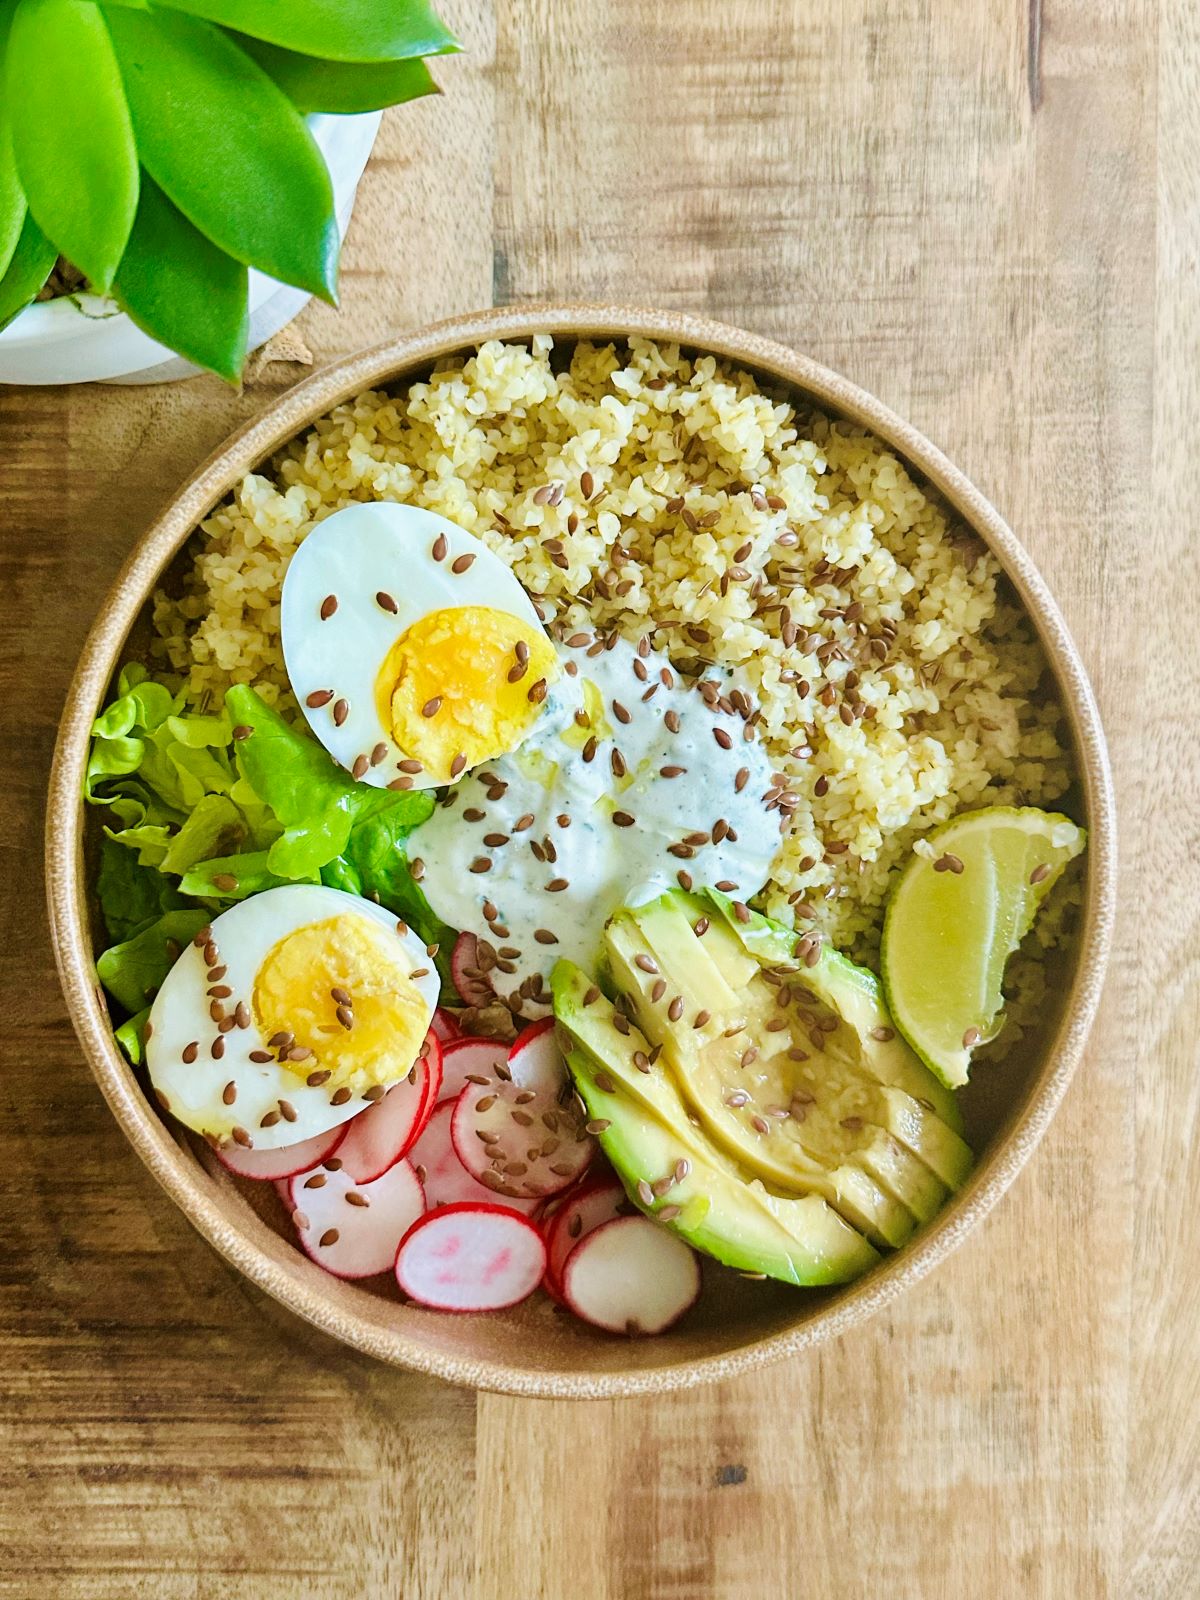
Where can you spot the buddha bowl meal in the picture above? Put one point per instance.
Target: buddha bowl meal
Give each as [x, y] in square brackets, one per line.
[575, 815]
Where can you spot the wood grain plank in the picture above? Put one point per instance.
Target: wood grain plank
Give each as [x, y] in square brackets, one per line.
[1159, 739]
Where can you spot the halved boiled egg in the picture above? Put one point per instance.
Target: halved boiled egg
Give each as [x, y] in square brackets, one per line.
[287, 1015]
[413, 650]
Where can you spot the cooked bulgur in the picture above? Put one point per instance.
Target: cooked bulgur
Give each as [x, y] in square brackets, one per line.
[894, 682]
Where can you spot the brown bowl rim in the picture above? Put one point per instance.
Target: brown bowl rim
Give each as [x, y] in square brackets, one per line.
[247, 1242]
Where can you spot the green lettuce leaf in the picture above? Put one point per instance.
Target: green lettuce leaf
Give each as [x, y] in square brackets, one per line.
[133, 971]
[215, 827]
[131, 1036]
[131, 895]
[141, 706]
[239, 875]
[375, 864]
[318, 804]
[169, 779]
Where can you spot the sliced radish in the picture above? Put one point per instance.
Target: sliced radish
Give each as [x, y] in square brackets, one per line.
[582, 1213]
[431, 1055]
[385, 1131]
[470, 982]
[522, 1133]
[470, 1257]
[443, 1027]
[631, 1276]
[535, 1058]
[378, 1137]
[466, 1058]
[354, 1229]
[286, 1160]
[446, 1181]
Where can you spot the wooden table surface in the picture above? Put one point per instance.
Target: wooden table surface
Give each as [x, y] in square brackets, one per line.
[1002, 242]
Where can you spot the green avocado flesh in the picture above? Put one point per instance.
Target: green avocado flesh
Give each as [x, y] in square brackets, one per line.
[723, 1211]
[791, 1075]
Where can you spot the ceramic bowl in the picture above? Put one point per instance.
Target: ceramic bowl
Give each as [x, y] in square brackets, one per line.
[532, 1350]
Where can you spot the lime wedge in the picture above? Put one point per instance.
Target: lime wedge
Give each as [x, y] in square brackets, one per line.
[955, 916]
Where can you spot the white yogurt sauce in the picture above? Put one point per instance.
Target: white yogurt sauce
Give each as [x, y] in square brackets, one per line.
[583, 819]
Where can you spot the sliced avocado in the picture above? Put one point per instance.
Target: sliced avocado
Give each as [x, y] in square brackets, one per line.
[668, 925]
[870, 1205]
[595, 1028]
[801, 1241]
[775, 1073]
[921, 1112]
[857, 996]
[924, 1133]
[732, 1218]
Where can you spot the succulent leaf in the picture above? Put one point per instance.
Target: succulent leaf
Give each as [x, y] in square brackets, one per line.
[181, 289]
[12, 196]
[335, 30]
[79, 172]
[340, 86]
[28, 270]
[228, 147]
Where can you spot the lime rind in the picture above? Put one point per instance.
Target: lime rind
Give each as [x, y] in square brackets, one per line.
[948, 935]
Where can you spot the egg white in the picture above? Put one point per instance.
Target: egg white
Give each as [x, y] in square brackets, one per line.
[354, 556]
[244, 936]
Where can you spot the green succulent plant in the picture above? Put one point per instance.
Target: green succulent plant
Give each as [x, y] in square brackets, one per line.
[162, 149]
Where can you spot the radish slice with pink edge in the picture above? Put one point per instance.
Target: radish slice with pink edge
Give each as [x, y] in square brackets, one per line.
[523, 1133]
[443, 1027]
[535, 1060]
[352, 1229]
[379, 1136]
[470, 982]
[470, 1257]
[580, 1214]
[631, 1276]
[446, 1181]
[431, 1054]
[386, 1130]
[283, 1162]
[465, 1058]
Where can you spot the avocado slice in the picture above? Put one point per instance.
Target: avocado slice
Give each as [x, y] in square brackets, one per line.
[855, 993]
[709, 1204]
[774, 1073]
[596, 1028]
[801, 1241]
[922, 1113]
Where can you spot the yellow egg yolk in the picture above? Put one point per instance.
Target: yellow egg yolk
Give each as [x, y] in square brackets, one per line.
[372, 1038]
[463, 685]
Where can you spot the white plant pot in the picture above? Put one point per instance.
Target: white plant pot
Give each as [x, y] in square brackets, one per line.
[85, 338]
